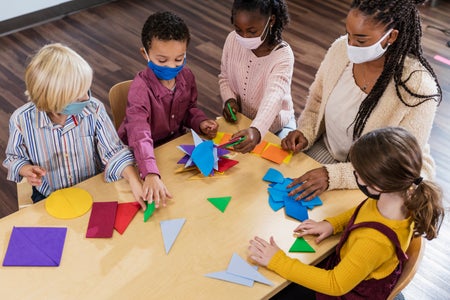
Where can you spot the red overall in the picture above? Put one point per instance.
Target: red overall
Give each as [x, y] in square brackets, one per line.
[371, 288]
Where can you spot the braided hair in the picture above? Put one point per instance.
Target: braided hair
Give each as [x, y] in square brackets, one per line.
[403, 16]
[266, 8]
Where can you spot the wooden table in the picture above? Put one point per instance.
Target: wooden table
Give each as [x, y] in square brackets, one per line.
[135, 266]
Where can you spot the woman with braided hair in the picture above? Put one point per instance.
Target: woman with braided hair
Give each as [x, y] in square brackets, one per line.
[374, 76]
[256, 71]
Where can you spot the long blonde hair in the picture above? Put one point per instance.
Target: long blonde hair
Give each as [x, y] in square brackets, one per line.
[55, 77]
[391, 160]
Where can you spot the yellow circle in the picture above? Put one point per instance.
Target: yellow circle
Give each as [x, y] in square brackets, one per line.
[68, 203]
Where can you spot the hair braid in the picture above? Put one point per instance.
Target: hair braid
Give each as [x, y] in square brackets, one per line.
[403, 16]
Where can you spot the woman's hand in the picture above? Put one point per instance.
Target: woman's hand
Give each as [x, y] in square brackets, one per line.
[209, 128]
[312, 184]
[155, 190]
[261, 251]
[252, 138]
[323, 229]
[233, 104]
[295, 141]
[33, 174]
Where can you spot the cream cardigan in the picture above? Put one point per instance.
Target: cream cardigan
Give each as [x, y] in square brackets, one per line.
[390, 111]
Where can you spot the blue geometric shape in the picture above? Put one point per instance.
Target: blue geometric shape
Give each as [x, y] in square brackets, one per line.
[295, 209]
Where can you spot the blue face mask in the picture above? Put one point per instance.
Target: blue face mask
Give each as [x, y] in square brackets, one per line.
[76, 108]
[164, 72]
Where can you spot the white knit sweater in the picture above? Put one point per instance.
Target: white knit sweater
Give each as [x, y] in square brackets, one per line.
[262, 83]
[390, 111]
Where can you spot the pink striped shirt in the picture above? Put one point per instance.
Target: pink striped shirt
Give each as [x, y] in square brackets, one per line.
[262, 83]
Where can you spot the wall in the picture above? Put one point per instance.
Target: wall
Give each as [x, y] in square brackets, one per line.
[11, 9]
[16, 15]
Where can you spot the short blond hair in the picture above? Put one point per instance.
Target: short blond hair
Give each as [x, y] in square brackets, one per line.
[56, 76]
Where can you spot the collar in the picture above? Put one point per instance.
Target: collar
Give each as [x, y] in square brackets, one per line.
[156, 86]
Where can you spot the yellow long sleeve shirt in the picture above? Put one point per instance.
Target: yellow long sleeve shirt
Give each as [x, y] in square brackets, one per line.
[366, 254]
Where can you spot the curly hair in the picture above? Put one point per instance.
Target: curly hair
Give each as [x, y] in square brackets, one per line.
[394, 166]
[278, 8]
[403, 16]
[165, 26]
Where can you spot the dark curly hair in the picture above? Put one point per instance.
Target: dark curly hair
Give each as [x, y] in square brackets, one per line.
[278, 8]
[403, 16]
[164, 26]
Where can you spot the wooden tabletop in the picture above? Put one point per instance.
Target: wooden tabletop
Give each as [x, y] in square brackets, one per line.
[135, 266]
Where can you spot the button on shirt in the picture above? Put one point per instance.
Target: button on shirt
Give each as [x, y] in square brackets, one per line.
[156, 114]
[86, 145]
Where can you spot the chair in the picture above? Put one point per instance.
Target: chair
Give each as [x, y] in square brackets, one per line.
[415, 253]
[24, 191]
[118, 97]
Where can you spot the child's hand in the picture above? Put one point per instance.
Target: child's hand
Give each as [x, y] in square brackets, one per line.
[234, 106]
[33, 174]
[155, 190]
[323, 229]
[131, 175]
[261, 251]
[252, 138]
[295, 141]
[209, 128]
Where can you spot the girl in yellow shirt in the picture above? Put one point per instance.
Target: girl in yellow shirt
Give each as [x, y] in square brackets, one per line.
[369, 257]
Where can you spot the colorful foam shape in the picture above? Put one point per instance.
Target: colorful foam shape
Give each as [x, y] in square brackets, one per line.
[277, 195]
[312, 203]
[203, 157]
[149, 211]
[224, 275]
[170, 230]
[220, 203]
[273, 175]
[225, 164]
[238, 266]
[102, 219]
[35, 246]
[274, 153]
[124, 215]
[259, 148]
[68, 203]
[295, 209]
[274, 205]
[300, 245]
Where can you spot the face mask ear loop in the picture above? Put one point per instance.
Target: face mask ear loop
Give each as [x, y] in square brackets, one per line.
[146, 54]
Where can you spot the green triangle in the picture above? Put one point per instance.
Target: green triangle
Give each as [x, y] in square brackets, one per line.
[149, 211]
[220, 203]
[300, 245]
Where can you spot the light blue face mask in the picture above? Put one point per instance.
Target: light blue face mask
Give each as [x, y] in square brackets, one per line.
[76, 108]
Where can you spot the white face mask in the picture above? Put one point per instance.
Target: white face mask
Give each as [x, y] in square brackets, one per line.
[359, 55]
[253, 43]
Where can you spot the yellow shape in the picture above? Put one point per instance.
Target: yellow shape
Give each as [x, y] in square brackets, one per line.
[185, 169]
[201, 176]
[288, 158]
[218, 138]
[68, 203]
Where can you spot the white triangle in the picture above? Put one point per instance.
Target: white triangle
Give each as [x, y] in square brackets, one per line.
[170, 230]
